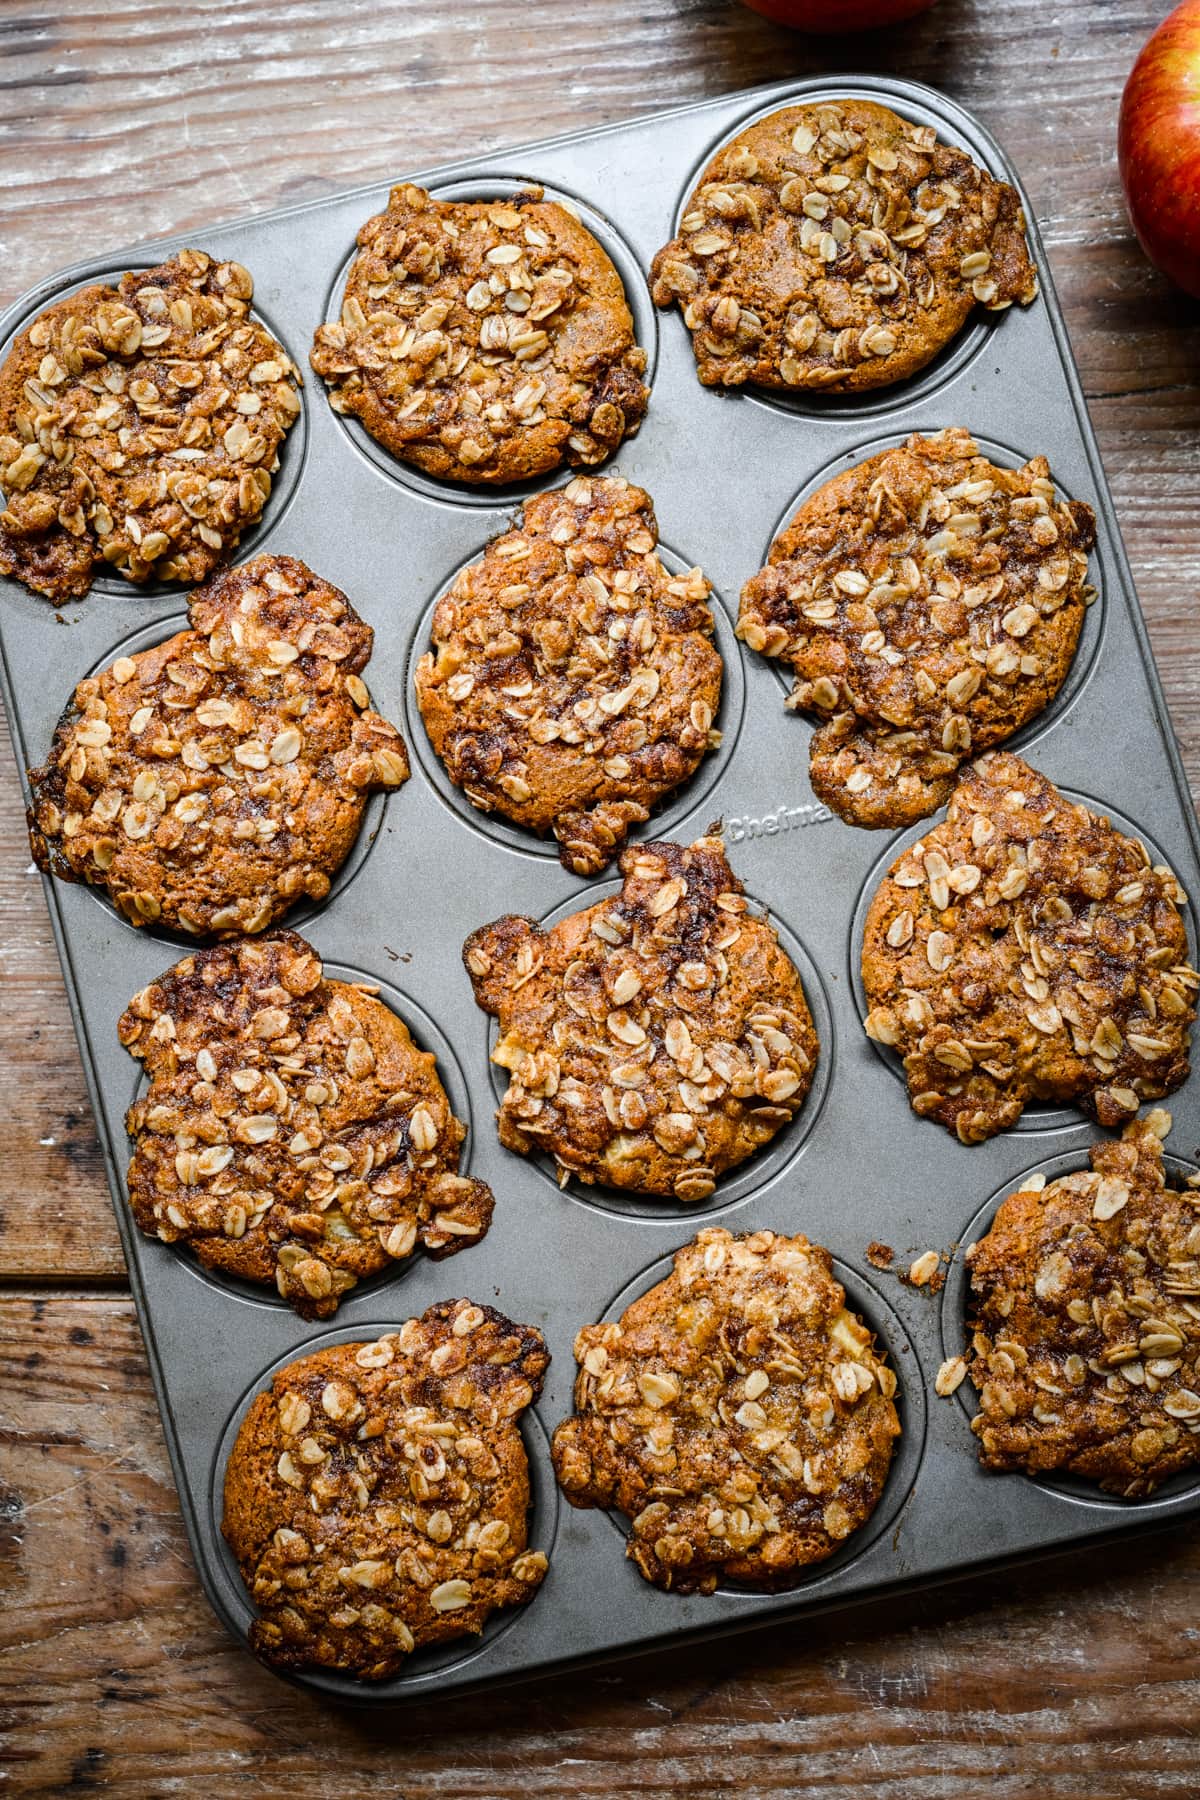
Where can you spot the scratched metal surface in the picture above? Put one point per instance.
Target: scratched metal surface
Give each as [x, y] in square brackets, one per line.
[724, 471]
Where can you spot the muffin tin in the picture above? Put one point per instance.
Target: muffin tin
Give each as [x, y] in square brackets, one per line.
[855, 1165]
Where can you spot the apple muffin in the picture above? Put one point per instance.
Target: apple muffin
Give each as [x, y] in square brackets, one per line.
[739, 1414]
[929, 604]
[377, 1494]
[291, 1132]
[487, 341]
[573, 681]
[140, 428]
[653, 1040]
[210, 783]
[1084, 1321]
[835, 246]
[1025, 949]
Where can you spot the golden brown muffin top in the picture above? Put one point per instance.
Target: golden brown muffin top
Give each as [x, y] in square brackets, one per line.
[1024, 949]
[489, 341]
[929, 604]
[739, 1413]
[1084, 1312]
[140, 426]
[573, 680]
[292, 1132]
[210, 782]
[655, 1039]
[836, 246]
[377, 1497]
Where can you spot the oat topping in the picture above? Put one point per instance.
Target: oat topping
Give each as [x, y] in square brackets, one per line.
[653, 1040]
[488, 341]
[140, 426]
[572, 680]
[929, 604]
[839, 247]
[377, 1497]
[739, 1414]
[292, 1132]
[214, 780]
[923, 1271]
[1025, 950]
[950, 1376]
[1084, 1312]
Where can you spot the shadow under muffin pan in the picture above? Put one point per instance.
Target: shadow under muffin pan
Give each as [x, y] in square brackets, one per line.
[1091, 630]
[1039, 1115]
[426, 1035]
[1075, 1489]
[425, 1668]
[746, 1180]
[667, 814]
[499, 185]
[293, 451]
[953, 358]
[865, 1169]
[892, 1341]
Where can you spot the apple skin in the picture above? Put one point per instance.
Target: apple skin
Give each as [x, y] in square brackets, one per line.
[829, 16]
[1159, 147]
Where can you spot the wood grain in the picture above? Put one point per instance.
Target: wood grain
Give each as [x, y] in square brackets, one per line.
[113, 1671]
[1079, 1680]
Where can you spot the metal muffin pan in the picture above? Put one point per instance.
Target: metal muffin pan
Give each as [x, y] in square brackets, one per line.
[855, 1165]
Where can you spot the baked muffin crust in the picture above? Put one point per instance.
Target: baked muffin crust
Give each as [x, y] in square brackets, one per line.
[1085, 1321]
[1024, 949]
[292, 1133]
[739, 1414]
[929, 604]
[140, 427]
[838, 247]
[573, 681]
[211, 782]
[486, 341]
[377, 1496]
[654, 1040]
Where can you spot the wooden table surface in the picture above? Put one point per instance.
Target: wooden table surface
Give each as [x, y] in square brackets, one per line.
[1079, 1677]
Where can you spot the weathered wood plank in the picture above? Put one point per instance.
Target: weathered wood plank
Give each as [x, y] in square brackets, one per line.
[1071, 1681]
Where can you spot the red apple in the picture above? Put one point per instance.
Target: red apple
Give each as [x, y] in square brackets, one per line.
[839, 15]
[1159, 146]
